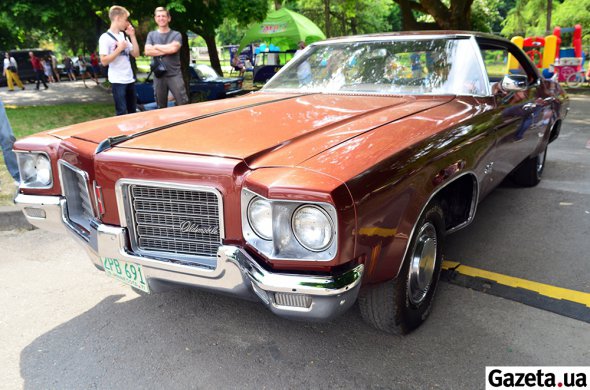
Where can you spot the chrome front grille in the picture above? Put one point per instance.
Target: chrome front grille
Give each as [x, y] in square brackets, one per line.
[74, 183]
[183, 223]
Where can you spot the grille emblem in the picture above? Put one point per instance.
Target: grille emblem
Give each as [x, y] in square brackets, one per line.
[191, 227]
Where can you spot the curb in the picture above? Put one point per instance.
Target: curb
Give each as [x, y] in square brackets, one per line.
[12, 218]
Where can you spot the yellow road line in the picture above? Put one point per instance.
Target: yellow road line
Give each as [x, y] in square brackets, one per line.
[543, 289]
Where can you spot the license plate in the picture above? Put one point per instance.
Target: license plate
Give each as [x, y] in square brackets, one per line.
[129, 273]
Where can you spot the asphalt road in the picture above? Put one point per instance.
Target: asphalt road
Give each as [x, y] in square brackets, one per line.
[57, 93]
[64, 325]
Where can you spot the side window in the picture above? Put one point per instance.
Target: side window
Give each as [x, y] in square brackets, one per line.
[495, 61]
[500, 60]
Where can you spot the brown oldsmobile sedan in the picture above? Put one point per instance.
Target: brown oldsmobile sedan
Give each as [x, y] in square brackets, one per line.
[337, 182]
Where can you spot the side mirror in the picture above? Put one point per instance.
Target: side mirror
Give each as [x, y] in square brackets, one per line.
[514, 83]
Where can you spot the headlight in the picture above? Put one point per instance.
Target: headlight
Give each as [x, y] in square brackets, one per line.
[312, 228]
[260, 218]
[35, 170]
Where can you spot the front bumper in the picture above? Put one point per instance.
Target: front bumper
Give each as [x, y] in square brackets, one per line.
[296, 296]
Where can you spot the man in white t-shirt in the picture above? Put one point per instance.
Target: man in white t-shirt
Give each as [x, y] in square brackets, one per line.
[114, 47]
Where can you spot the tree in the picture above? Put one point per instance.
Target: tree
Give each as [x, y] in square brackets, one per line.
[572, 12]
[455, 15]
[345, 17]
[526, 20]
[204, 17]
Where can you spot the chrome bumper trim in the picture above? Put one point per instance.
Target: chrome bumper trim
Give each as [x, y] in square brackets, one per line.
[50, 205]
[236, 272]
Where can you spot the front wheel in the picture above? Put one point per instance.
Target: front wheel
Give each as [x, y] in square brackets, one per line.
[574, 79]
[402, 304]
[530, 171]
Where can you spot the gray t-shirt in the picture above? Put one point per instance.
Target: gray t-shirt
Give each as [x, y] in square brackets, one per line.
[171, 61]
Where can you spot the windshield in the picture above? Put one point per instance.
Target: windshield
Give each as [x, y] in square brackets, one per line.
[206, 72]
[433, 66]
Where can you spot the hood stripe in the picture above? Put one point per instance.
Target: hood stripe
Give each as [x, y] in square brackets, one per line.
[112, 141]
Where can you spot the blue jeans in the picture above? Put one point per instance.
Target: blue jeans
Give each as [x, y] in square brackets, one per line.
[6, 141]
[125, 99]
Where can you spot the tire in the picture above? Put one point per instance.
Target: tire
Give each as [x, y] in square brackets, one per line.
[401, 305]
[530, 171]
[573, 80]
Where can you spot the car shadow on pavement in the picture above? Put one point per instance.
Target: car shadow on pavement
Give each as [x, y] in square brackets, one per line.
[193, 339]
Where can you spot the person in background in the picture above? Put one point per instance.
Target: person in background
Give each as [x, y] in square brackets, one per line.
[238, 65]
[114, 50]
[95, 64]
[54, 68]
[165, 43]
[69, 68]
[6, 142]
[86, 70]
[10, 71]
[47, 69]
[38, 68]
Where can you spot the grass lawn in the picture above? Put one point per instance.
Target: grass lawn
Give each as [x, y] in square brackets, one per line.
[33, 119]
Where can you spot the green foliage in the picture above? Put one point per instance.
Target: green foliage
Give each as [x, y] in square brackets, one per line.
[485, 15]
[572, 12]
[527, 18]
[347, 16]
[230, 32]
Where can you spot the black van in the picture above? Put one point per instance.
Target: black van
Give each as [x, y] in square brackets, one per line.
[25, 69]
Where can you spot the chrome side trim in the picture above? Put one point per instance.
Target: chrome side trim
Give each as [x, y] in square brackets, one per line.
[472, 211]
[482, 67]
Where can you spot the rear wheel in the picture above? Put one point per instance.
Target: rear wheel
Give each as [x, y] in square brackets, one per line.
[530, 171]
[402, 304]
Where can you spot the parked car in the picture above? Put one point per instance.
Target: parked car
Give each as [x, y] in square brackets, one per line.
[338, 180]
[204, 81]
[25, 69]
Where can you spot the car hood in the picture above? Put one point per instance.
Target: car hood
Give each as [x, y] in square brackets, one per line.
[263, 129]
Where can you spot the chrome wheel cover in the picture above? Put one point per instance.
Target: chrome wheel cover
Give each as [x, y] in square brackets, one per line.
[422, 264]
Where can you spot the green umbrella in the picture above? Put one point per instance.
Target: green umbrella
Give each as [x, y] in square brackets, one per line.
[283, 28]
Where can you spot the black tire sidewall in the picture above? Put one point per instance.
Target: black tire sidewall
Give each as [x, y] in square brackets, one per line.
[411, 316]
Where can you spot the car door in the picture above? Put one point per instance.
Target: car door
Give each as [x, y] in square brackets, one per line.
[518, 115]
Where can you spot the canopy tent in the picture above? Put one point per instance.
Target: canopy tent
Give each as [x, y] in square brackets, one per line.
[283, 28]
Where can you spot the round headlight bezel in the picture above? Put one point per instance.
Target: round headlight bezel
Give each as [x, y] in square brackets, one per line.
[329, 221]
[252, 223]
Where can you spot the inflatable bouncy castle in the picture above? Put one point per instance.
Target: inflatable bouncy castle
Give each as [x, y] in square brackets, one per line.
[546, 52]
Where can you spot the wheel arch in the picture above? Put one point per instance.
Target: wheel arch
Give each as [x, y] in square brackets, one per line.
[450, 196]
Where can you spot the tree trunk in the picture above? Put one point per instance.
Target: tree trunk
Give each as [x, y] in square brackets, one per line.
[278, 5]
[212, 49]
[185, 59]
[549, 10]
[457, 17]
[327, 18]
[460, 15]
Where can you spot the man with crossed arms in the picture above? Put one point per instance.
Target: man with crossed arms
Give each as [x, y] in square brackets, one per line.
[165, 43]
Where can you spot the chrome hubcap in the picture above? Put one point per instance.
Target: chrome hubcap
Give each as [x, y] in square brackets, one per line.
[422, 264]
